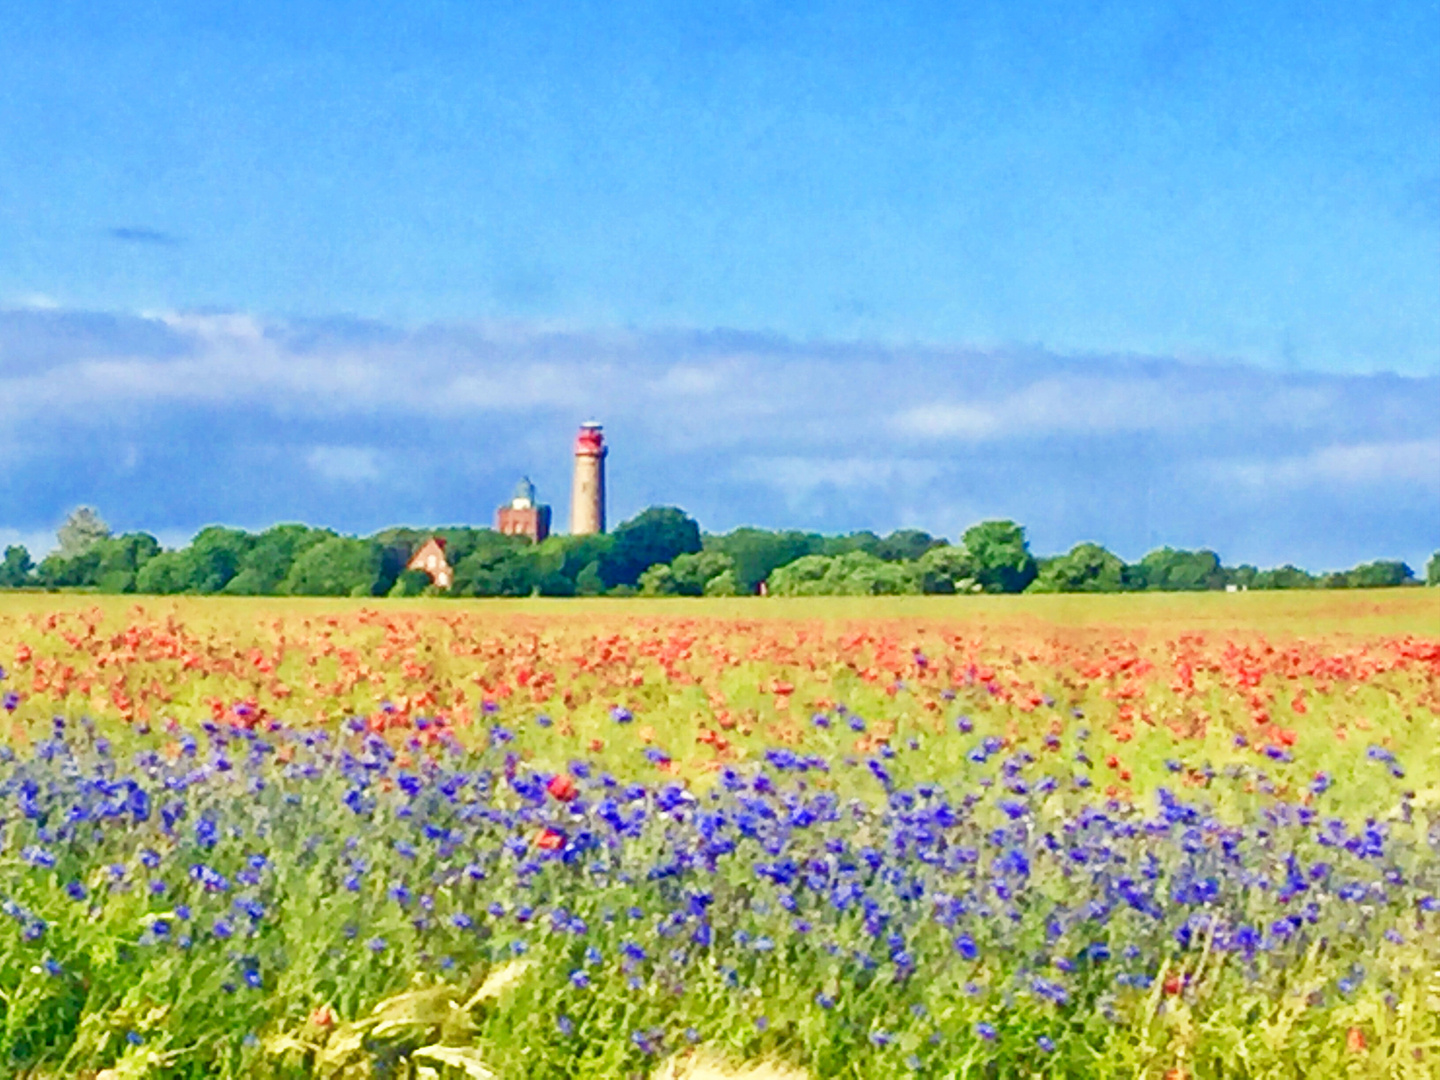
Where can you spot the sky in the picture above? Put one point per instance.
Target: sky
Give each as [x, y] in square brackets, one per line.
[1139, 273]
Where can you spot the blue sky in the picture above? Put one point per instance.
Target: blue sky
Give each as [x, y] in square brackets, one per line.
[1132, 272]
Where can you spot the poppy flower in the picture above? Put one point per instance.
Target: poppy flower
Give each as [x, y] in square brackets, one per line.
[561, 787]
[550, 840]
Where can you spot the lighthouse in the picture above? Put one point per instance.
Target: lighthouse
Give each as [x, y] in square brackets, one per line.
[587, 497]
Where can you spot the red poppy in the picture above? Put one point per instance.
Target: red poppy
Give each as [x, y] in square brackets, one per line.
[562, 787]
[550, 840]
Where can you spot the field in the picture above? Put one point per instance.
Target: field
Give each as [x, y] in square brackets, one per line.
[1144, 836]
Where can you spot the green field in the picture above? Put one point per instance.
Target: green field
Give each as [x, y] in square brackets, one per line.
[1127, 835]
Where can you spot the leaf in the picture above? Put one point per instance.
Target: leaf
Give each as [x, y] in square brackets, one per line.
[498, 981]
[280, 1044]
[344, 1043]
[466, 1058]
[419, 1009]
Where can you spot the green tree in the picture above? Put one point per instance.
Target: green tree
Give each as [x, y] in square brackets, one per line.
[410, 583]
[723, 585]
[865, 541]
[1432, 569]
[497, 566]
[167, 573]
[216, 555]
[1284, 577]
[267, 562]
[1001, 555]
[15, 570]
[558, 561]
[757, 552]
[856, 573]
[659, 580]
[1170, 570]
[656, 535]
[1380, 574]
[59, 571]
[688, 575]
[121, 558]
[806, 576]
[948, 569]
[589, 582]
[906, 545]
[1085, 568]
[338, 566]
[694, 571]
[81, 531]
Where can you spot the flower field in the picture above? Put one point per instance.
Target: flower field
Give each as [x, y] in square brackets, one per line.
[1166, 837]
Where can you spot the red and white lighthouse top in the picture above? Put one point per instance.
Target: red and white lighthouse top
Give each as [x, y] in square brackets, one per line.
[590, 442]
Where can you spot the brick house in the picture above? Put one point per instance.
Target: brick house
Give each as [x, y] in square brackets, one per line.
[430, 558]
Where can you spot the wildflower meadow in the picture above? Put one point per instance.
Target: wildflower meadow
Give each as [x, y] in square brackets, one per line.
[1162, 837]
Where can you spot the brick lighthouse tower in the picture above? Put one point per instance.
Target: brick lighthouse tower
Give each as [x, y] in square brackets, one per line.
[587, 497]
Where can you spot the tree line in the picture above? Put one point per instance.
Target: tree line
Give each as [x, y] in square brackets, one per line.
[660, 552]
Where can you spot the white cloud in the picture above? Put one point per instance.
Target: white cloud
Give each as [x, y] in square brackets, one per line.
[1172, 400]
[1065, 405]
[106, 408]
[345, 464]
[1413, 461]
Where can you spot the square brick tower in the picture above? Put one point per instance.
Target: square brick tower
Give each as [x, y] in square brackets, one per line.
[521, 516]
